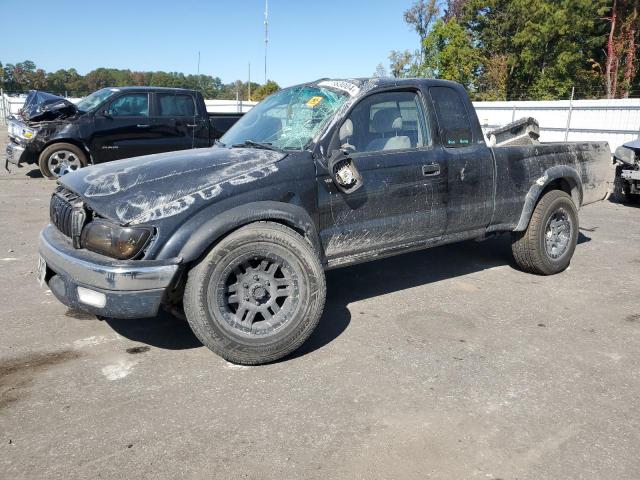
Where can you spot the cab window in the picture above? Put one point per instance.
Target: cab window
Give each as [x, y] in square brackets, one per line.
[170, 105]
[130, 105]
[385, 121]
[453, 118]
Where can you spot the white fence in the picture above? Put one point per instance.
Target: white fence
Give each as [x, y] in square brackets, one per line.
[615, 121]
[11, 105]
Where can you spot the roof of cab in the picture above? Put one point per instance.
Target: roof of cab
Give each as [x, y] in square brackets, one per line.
[151, 89]
[374, 83]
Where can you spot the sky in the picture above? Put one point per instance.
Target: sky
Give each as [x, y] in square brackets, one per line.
[307, 40]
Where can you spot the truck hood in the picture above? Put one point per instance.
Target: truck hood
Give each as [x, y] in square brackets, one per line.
[143, 189]
[41, 106]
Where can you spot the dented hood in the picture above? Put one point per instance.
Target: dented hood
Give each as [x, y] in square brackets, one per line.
[143, 189]
[41, 106]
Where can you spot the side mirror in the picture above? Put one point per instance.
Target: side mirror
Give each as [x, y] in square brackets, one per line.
[105, 113]
[343, 172]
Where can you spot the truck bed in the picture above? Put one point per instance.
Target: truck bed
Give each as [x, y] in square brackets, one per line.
[520, 166]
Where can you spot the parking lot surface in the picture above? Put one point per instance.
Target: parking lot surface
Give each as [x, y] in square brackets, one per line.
[447, 363]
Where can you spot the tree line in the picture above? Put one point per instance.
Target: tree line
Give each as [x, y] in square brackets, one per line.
[25, 76]
[525, 49]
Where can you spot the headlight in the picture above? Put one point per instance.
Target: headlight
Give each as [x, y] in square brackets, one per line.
[113, 240]
[27, 133]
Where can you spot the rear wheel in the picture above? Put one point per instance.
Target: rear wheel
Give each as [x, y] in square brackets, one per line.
[548, 243]
[61, 158]
[257, 296]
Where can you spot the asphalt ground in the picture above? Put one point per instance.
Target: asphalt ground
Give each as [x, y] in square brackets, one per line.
[447, 363]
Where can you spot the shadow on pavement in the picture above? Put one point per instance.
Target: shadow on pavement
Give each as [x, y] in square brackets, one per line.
[350, 284]
[34, 173]
[345, 286]
[163, 331]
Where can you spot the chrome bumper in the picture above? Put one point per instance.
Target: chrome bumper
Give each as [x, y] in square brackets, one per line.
[94, 270]
[116, 289]
[13, 154]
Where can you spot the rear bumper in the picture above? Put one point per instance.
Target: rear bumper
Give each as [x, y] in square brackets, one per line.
[130, 289]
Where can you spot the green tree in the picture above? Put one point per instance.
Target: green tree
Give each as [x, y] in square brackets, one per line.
[265, 90]
[420, 17]
[550, 45]
[449, 54]
[400, 63]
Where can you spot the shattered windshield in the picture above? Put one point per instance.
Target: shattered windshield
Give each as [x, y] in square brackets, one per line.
[288, 119]
[90, 102]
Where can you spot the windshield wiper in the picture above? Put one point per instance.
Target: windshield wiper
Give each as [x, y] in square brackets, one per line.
[252, 144]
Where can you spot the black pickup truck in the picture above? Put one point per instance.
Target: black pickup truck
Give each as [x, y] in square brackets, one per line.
[316, 176]
[110, 124]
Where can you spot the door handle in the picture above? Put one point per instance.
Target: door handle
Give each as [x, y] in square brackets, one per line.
[192, 125]
[431, 169]
[143, 125]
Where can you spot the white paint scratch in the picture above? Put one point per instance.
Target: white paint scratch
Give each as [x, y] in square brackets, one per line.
[233, 366]
[118, 370]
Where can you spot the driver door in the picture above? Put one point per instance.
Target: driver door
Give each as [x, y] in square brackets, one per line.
[402, 198]
[124, 129]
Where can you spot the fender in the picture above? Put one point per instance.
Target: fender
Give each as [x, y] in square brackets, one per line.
[190, 242]
[557, 172]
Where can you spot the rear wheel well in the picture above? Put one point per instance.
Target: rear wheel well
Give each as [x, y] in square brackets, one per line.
[566, 185]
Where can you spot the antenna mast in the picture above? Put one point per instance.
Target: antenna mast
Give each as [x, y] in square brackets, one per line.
[266, 36]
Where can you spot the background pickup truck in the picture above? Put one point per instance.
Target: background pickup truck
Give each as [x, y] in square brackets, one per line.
[316, 176]
[110, 124]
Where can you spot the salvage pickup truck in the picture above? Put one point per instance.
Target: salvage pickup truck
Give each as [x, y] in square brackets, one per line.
[110, 124]
[316, 176]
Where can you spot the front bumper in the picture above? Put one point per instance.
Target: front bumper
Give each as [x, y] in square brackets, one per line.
[14, 153]
[132, 289]
[630, 174]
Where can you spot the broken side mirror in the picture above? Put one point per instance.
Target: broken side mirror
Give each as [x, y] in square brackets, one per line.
[344, 172]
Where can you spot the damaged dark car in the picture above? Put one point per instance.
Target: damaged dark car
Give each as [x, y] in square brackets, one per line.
[627, 180]
[110, 124]
[317, 176]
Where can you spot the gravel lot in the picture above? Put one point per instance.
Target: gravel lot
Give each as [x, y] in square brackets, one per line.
[447, 363]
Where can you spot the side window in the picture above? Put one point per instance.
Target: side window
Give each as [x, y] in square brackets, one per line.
[385, 121]
[130, 105]
[171, 105]
[452, 117]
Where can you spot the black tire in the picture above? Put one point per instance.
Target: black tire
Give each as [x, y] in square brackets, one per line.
[79, 159]
[533, 249]
[249, 266]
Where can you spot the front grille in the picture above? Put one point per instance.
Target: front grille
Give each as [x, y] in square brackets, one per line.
[67, 213]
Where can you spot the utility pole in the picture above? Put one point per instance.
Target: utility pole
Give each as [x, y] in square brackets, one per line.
[249, 83]
[266, 36]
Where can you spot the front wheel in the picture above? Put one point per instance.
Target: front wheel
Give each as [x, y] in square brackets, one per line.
[548, 243]
[258, 294]
[59, 159]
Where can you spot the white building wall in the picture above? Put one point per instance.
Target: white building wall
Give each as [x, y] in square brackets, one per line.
[615, 121]
[12, 105]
